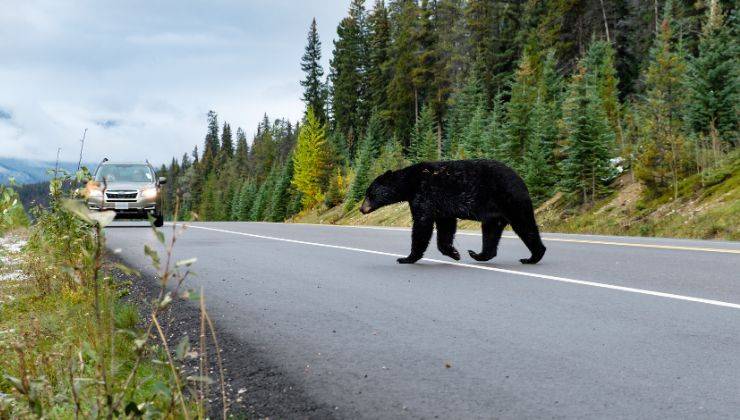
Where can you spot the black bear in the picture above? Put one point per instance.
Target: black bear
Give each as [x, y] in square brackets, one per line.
[439, 193]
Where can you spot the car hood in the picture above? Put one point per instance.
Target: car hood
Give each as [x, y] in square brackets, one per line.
[128, 185]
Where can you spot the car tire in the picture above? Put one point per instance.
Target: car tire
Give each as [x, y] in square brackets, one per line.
[158, 220]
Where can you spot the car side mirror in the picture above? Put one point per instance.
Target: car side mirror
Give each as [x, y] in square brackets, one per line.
[162, 180]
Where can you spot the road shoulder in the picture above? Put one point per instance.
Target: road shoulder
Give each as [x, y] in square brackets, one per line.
[255, 387]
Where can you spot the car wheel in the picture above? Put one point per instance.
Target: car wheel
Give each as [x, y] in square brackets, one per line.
[158, 220]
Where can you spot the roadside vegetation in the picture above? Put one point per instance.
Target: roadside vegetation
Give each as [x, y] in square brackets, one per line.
[578, 97]
[74, 344]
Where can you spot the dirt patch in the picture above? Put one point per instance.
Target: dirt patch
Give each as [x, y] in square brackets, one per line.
[625, 200]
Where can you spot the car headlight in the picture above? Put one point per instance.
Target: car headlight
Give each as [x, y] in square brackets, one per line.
[94, 193]
[149, 193]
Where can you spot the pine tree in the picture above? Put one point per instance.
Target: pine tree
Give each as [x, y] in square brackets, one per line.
[474, 145]
[378, 75]
[236, 199]
[540, 171]
[337, 190]
[450, 61]
[241, 156]
[207, 204]
[362, 178]
[263, 152]
[226, 152]
[588, 142]
[261, 201]
[211, 148]
[391, 159]
[567, 26]
[451, 50]
[192, 194]
[296, 200]
[427, 56]
[349, 75]
[713, 109]
[660, 161]
[493, 27]
[223, 206]
[281, 194]
[599, 61]
[524, 93]
[537, 174]
[246, 200]
[310, 160]
[550, 89]
[403, 99]
[424, 139]
[338, 148]
[227, 142]
[495, 135]
[368, 152]
[463, 106]
[195, 155]
[314, 94]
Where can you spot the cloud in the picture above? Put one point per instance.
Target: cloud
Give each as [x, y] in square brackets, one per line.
[107, 123]
[141, 75]
[171, 39]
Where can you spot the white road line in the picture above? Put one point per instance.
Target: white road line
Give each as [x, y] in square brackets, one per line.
[487, 268]
[548, 239]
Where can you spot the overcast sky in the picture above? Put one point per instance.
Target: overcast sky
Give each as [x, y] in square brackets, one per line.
[141, 75]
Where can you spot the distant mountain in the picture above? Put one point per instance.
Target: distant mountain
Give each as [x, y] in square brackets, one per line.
[28, 171]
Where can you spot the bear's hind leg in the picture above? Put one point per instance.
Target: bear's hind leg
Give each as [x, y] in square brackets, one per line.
[421, 234]
[446, 228]
[492, 230]
[526, 228]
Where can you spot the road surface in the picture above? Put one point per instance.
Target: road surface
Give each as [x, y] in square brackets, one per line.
[603, 327]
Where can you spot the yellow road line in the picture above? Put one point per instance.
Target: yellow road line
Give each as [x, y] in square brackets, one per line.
[553, 239]
[638, 245]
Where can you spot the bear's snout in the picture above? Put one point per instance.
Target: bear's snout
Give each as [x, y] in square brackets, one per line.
[365, 207]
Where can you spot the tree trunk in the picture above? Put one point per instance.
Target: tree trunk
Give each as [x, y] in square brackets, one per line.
[655, 6]
[439, 139]
[674, 164]
[606, 23]
[715, 141]
[416, 106]
[593, 185]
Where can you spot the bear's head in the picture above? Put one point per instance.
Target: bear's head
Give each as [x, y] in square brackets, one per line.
[382, 192]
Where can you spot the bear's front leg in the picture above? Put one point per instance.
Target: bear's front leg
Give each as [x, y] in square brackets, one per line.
[421, 234]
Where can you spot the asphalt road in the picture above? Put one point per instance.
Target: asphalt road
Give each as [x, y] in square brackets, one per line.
[603, 327]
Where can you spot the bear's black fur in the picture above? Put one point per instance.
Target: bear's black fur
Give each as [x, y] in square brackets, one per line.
[442, 192]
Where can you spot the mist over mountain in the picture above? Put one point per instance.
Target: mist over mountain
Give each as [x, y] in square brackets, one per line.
[27, 171]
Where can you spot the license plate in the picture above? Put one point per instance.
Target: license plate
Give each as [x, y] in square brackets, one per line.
[121, 206]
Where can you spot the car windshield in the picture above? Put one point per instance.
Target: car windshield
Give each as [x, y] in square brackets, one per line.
[124, 173]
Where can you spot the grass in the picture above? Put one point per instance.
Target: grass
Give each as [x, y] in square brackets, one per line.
[53, 349]
[708, 211]
[72, 347]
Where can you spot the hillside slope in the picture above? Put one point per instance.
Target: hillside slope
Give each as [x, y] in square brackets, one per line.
[711, 211]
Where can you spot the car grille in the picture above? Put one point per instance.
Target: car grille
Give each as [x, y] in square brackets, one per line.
[122, 196]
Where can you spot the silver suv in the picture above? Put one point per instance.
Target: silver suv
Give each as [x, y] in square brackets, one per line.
[130, 189]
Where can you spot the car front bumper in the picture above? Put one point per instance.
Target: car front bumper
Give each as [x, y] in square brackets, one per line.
[126, 204]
